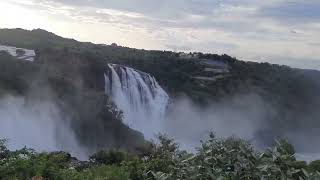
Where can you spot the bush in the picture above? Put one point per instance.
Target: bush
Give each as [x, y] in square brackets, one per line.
[314, 166]
[95, 173]
[216, 158]
[109, 157]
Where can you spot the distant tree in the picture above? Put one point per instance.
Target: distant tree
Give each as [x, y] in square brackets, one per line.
[114, 44]
[3, 149]
[109, 157]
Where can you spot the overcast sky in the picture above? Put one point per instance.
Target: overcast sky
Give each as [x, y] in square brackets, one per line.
[277, 31]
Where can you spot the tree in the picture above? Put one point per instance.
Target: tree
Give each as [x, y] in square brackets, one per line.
[314, 166]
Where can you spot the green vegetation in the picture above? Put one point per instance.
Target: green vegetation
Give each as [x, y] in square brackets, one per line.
[216, 158]
[73, 73]
[315, 165]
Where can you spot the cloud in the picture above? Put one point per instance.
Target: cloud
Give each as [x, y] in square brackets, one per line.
[178, 48]
[294, 11]
[245, 29]
[293, 62]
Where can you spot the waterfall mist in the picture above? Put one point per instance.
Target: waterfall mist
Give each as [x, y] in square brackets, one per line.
[247, 116]
[146, 108]
[37, 121]
[38, 125]
[240, 116]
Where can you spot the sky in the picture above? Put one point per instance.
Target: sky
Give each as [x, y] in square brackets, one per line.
[276, 31]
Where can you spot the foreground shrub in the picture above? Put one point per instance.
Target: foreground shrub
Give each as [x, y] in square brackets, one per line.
[109, 157]
[216, 158]
[96, 173]
[314, 166]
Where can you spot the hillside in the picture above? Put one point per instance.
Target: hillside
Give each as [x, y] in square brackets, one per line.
[70, 81]
[74, 72]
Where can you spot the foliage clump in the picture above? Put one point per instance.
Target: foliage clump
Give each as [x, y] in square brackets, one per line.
[216, 158]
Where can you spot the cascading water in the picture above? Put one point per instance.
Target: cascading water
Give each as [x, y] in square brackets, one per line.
[139, 96]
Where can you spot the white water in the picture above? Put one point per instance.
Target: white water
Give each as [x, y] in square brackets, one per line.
[139, 96]
[28, 54]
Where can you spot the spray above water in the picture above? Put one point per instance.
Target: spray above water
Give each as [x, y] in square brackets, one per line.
[38, 125]
[139, 96]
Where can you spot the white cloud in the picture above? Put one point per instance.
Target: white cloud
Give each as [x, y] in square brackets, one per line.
[243, 28]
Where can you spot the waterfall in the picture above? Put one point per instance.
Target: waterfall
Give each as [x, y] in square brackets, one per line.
[25, 54]
[139, 96]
